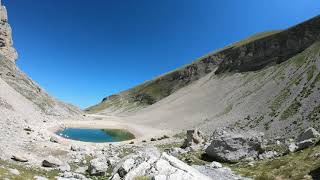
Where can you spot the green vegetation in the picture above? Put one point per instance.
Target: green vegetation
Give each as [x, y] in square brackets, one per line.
[277, 102]
[181, 135]
[293, 166]
[311, 71]
[164, 147]
[226, 110]
[291, 110]
[315, 114]
[119, 134]
[193, 158]
[26, 173]
[255, 37]
[142, 178]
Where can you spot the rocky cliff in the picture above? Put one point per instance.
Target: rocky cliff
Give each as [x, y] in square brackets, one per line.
[253, 53]
[6, 43]
[19, 81]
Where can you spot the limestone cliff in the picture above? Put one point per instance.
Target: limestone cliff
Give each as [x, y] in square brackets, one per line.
[20, 82]
[6, 43]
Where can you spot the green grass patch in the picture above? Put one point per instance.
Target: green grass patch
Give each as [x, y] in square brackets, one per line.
[293, 166]
[26, 173]
[120, 134]
[277, 102]
[291, 110]
[226, 110]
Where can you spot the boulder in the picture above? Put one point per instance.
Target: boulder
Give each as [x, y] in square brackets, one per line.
[305, 144]
[232, 147]
[268, 155]
[65, 168]
[51, 162]
[194, 139]
[14, 171]
[215, 165]
[19, 158]
[81, 170]
[150, 163]
[98, 166]
[127, 165]
[309, 133]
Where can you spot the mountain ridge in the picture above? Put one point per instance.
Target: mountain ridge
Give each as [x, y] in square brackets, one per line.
[241, 56]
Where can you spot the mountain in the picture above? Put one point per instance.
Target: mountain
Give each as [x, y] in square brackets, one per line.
[268, 82]
[19, 81]
[253, 53]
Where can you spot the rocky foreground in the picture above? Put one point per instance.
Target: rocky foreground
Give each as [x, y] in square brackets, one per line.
[170, 158]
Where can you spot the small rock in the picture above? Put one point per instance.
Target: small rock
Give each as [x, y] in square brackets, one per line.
[268, 155]
[54, 139]
[216, 165]
[40, 178]
[27, 129]
[75, 147]
[19, 158]
[65, 168]
[131, 142]
[51, 162]
[14, 171]
[81, 170]
[153, 139]
[292, 147]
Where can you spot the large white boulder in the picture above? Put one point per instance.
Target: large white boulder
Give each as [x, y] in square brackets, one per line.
[232, 147]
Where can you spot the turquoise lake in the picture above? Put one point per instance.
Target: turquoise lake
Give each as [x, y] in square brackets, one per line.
[96, 135]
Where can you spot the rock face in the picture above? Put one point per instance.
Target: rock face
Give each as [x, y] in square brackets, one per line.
[6, 43]
[272, 49]
[232, 147]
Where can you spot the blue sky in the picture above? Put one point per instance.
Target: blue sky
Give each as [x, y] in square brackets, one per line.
[83, 50]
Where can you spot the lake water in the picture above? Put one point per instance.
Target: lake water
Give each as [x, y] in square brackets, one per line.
[96, 135]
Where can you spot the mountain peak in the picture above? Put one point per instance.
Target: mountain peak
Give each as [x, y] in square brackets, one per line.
[6, 42]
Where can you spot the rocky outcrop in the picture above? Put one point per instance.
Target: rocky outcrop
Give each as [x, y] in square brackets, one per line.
[150, 163]
[6, 43]
[194, 139]
[271, 49]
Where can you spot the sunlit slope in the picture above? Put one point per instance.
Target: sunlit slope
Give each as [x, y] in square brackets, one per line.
[282, 99]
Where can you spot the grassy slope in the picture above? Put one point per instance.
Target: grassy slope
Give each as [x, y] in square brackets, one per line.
[154, 90]
[295, 166]
[25, 172]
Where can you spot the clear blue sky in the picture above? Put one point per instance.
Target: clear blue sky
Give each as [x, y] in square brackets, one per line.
[83, 50]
